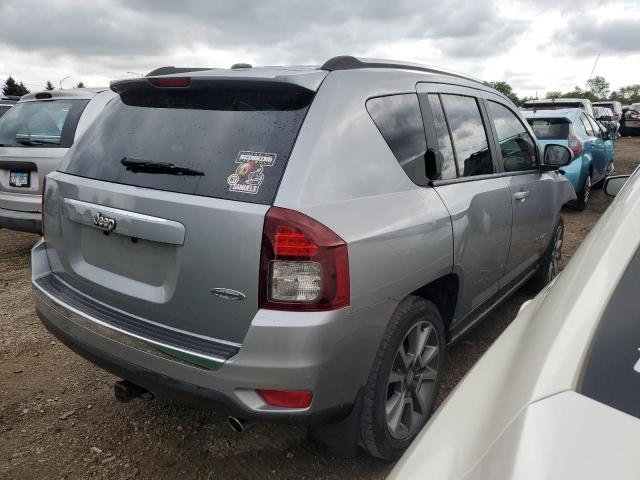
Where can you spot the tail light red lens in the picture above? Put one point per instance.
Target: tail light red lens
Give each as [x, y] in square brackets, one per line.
[575, 144]
[43, 96]
[304, 266]
[44, 191]
[168, 82]
[287, 398]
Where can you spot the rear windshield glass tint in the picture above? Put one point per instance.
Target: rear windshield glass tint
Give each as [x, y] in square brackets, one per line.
[225, 142]
[550, 128]
[49, 123]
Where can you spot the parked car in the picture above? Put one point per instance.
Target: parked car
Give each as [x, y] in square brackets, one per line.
[6, 103]
[559, 104]
[34, 135]
[631, 120]
[592, 147]
[607, 120]
[290, 244]
[558, 393]
[614, 105]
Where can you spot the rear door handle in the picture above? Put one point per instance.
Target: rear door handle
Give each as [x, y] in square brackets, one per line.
[521, 196]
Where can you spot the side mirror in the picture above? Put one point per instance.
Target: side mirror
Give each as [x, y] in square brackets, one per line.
[613, 185]
[557, 155]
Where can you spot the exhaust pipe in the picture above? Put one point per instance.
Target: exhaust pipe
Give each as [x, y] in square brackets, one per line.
[126, 391]
[239, 425]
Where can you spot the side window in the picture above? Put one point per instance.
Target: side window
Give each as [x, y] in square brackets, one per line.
[578, 127]
[516, 145]
[587, 126]
[596, 128]
[447, 170]
[468, 134]
[399, 120]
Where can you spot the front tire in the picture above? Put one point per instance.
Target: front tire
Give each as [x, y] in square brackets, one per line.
[405, 379]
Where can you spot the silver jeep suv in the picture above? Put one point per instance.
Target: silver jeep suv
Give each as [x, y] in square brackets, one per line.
[296, 243]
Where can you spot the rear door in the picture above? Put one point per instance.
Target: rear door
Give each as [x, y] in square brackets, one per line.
[603, 150]
[594, 147]
[465, 177]
[187, 221]
[532, 191]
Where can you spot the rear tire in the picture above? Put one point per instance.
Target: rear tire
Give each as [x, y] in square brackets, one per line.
[405, 379]
[584, 194]
[550, 263]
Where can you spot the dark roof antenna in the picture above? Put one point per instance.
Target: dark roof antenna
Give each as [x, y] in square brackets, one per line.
[236, 66]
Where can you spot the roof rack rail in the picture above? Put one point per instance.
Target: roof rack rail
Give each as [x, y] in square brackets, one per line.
[172, 70]
[348, 62]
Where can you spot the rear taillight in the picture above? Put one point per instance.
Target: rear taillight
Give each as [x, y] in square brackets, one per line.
[634, 116]
[286, 398]
[304, 266]
[44, 191]
[575, 144]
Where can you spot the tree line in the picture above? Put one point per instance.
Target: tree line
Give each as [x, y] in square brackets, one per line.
[597, 89]
[12, 88]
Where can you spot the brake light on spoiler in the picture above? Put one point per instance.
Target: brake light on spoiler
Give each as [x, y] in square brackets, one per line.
[170, 82]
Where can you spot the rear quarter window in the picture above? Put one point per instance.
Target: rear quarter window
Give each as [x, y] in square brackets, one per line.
[399, 120]
[238, 138]
[550, 128]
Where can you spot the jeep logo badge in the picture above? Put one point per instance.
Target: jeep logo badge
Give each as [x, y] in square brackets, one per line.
[105, 223]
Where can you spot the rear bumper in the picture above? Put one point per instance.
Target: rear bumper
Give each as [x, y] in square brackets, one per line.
[317, 352]
[21, 221]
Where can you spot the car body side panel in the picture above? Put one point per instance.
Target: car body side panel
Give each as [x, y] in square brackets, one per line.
[399, 234]
[481, 218]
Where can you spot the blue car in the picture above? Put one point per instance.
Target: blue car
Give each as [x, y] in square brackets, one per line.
[591, 144]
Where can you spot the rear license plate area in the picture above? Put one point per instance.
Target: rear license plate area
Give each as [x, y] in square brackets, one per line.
[19, 179]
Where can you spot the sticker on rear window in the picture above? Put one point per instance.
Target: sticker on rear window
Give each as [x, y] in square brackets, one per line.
[249, 174]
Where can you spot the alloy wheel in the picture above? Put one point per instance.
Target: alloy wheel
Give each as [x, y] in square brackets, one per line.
[556, 254]
[411, 381]
[587, 189]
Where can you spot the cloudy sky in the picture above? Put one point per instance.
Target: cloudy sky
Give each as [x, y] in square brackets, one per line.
[535, 45]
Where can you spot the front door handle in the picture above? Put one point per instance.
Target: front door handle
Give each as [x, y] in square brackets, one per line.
[521, 196]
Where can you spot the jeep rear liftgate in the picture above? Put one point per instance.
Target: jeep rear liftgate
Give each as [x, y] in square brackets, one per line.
[162, 202]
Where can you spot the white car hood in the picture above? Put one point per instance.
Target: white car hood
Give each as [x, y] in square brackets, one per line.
[564, 436]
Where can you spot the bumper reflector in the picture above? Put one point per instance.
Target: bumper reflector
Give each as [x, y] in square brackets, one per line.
[286, 398]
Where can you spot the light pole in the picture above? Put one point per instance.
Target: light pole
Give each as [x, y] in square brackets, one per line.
[62, 80]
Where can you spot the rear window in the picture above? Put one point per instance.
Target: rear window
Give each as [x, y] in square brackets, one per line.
[50, 123]
[551, 105]
[550, 128]
[233, 142]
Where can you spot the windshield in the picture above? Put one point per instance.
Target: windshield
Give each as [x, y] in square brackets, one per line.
[50, 123]
[230, 143]
[550, 128]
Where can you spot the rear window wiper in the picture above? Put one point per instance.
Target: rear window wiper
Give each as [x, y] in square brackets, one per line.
[27, 141]
[144, 166]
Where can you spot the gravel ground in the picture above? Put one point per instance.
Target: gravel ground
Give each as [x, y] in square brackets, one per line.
[59, 419]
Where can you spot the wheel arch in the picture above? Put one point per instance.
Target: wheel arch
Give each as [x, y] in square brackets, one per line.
[443, 292]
